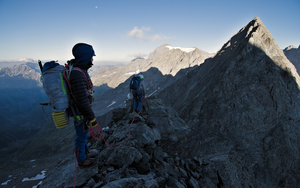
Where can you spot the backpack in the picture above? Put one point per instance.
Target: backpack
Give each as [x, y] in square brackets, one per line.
[55, 82]
[135, 83]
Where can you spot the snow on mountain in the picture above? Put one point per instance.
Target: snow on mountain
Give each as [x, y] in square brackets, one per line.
[187, 50]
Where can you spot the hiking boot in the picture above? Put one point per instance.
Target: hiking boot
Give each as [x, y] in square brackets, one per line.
[91, 155]
[87, 162]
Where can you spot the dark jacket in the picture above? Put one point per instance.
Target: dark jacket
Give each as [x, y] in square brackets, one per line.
[82, 96]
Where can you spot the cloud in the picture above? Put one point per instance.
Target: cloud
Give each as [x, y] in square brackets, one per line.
[27, 60]
[142, 34]
[138, 33]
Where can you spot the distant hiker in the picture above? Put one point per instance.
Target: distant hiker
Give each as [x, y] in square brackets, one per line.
[82, 92]
[137, 88]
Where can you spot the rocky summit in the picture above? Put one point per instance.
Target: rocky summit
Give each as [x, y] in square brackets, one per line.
[243, 108]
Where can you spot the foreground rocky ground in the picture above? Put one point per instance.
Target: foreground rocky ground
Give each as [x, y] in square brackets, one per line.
[146, 159]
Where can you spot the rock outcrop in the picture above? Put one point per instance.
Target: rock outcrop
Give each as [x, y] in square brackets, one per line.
[243, 108]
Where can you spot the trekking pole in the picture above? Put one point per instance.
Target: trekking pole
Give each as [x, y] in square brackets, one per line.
[40, 64]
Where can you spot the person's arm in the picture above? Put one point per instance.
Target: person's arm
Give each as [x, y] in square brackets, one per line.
[79, 89]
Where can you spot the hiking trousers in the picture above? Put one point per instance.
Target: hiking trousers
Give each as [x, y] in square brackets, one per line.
[80, 141]
[137, 100]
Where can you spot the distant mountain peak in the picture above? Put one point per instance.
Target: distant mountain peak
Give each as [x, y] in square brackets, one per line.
[293, 54]
[158, 52]
[291, 47]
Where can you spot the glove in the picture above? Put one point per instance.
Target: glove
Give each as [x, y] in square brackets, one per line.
[93, 123]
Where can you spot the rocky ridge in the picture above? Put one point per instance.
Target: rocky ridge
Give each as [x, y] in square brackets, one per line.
[147, 159]
[243, 107]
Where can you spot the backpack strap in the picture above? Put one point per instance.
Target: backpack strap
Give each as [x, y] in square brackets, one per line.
[87, 82]
[73, 106]
[78, 69]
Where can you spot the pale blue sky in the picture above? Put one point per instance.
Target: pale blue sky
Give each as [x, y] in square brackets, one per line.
[119, 30]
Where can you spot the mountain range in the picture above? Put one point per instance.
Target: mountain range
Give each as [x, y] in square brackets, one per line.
[228, 119]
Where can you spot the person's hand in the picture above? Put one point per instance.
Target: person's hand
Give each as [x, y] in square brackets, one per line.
[93, 123]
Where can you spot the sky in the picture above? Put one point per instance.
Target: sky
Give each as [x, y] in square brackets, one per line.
[120, 30]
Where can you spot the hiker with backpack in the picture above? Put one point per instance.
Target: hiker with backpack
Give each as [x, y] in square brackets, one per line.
[70, 92]
[137, 88]
[81, 89]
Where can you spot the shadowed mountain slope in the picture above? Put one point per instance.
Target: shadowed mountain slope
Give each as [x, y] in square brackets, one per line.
[243, 107]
